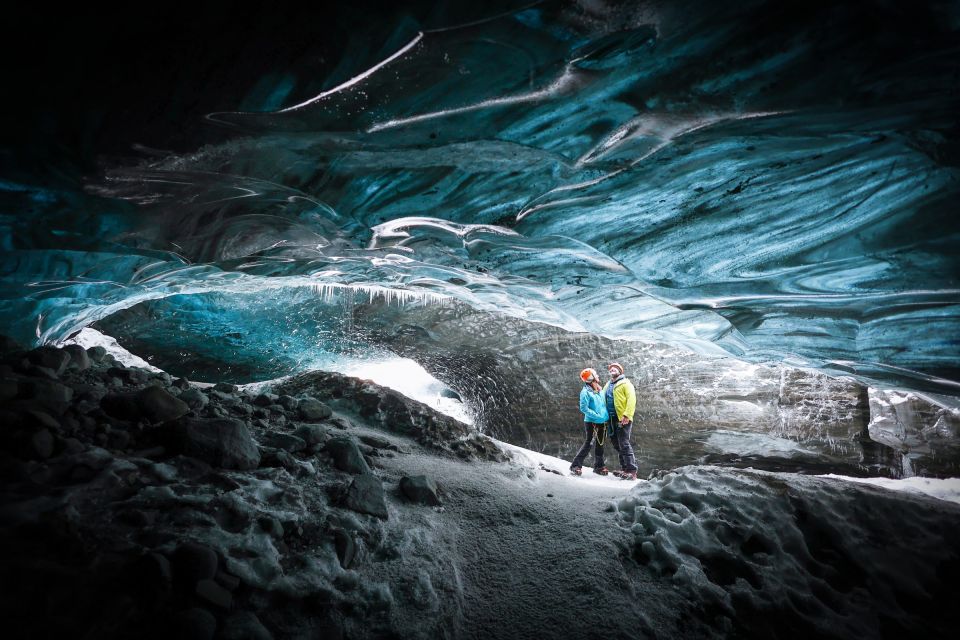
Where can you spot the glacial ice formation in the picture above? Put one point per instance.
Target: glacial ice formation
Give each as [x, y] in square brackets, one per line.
[690, 183]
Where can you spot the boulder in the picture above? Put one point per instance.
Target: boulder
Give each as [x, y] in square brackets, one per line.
[311, 433]
[122, 406]
[289, 402]
[48, 391]
[284, 441]
[225, 387]
[365, 495]
[78, 357]
[420, 489]
[244, 625]
[42, 444]
[194, 398]
[97, 353]
[209, 591]
[265, 399]
[271, 526]
[312, 409]
[224, 398]
[222, 442]
[181, 383]
[192, 562]
[50, 357]
[40, 372]
[346, 455]
[128, 375]
[40, 419]
[157, 406]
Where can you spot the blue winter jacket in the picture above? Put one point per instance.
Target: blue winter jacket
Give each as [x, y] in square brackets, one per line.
[592, 406]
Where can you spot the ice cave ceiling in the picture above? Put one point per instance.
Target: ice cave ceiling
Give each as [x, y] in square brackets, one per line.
[777, 182]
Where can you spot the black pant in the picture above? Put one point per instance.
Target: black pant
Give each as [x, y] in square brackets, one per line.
[593, 433]
[621, 442]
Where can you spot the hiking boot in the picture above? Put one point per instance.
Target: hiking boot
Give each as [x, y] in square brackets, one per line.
[602, 471]
[576, 470]
[628, 475]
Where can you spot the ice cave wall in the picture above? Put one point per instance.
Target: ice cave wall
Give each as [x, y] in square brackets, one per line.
[679, 181]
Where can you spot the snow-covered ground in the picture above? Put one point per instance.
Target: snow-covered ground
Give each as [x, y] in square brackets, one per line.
[941, 488]
[88, 337]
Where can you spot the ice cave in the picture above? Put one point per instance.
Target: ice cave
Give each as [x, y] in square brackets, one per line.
[295, 301]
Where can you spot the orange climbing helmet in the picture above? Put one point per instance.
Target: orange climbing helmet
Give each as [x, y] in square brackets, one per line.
[616, 365]
[588, 375]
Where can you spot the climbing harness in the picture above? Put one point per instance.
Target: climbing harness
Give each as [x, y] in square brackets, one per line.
[599, 433]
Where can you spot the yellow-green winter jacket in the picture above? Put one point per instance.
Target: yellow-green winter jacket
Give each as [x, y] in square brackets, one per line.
[624, 398]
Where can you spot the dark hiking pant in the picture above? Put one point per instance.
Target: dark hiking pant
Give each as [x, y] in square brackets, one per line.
[621, 442]
[590, 432]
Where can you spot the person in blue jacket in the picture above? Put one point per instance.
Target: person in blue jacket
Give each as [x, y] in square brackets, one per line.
[595, 416]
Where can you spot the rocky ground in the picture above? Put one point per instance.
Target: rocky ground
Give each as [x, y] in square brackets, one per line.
[135, 504]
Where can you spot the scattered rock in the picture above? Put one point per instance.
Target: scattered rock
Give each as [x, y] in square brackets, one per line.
[79, 359]
[311, 433]
[225, 387]
[41, 419]
[365, 495]
[223, 442]
[224, 398]
[420, 489]
[284, 441]
[48, 391]
[346, 455]
[243, 625]
[181, 383]
[194, 398]
[42, 444]
[50, 357]
[40, 372]
[122, 406]
[271, 526]
[211, 592]
[193, 562]
[228, 581]
[313, 410]
[289, 402]
[97, 353]
[128, 376]
[378, 443]
[157, 406]
[265, 399]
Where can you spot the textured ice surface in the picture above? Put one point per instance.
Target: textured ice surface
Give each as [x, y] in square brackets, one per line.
[692, 173]
[704, 180]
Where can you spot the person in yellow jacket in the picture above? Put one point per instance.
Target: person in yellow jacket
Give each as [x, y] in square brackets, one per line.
[621, 399]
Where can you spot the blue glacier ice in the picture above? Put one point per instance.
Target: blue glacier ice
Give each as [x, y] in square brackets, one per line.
[771, 184]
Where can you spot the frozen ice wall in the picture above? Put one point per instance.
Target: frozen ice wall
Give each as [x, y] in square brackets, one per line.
[772, 182]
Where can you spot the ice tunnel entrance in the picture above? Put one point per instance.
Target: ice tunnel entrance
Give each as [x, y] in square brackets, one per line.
[400, 374]
[412, 380]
